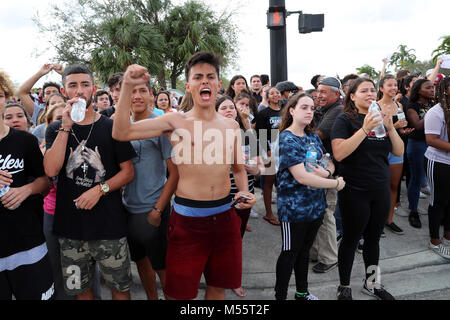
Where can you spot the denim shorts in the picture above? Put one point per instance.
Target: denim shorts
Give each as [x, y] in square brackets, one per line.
[394, 159]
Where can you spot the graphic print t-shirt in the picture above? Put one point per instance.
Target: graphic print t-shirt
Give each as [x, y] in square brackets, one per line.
[268, 119]
[20, 229]
[87, 164]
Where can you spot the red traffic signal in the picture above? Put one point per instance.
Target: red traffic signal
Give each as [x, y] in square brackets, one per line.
[276, 18]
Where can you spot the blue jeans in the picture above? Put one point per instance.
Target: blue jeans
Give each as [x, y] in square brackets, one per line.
[416, 155]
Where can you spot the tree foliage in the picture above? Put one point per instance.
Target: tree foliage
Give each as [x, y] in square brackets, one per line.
[444, 48]
[403, 57]
[369, 71]
[109, 35]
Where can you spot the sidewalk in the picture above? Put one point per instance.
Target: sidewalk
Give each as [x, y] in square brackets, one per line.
[409, 269]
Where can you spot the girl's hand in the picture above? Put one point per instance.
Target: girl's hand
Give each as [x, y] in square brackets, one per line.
[371, 121]
[387, 119]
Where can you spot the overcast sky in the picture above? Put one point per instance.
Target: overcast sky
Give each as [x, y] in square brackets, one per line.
[356, 32]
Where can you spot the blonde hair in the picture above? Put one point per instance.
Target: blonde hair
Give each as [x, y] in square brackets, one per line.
[6, 84]
[187, 103]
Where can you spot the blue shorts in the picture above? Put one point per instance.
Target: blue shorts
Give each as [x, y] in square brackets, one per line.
[394, 159]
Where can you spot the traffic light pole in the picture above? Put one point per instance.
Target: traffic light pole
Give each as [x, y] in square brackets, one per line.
[278, 48]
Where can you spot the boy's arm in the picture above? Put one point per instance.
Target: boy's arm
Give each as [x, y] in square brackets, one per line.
[24, 90]
[123, 129]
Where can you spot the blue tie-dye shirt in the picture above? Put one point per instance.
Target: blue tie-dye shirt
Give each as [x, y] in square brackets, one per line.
[296, 202]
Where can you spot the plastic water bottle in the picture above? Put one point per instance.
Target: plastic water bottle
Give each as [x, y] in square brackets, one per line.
[379, 130]
[78, 110]
[400, 114]
[311, 157]
[4, 190]
[325, 160]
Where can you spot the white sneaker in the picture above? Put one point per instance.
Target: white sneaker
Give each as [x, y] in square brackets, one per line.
[445, 242]
[254, 214]
[426, 190]
[422, 195]
[441, 250]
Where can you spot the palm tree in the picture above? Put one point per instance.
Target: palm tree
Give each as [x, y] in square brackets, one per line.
[192, 27]
[403, 57]
[369, 71]
[444, 48]
[127, 41]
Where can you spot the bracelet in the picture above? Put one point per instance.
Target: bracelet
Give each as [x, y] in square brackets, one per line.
[364, 131]
[64, 130]
[337, 186]
[329, 176]
[157, 210]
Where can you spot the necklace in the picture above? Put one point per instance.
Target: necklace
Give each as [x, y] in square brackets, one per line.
[89, 135]
[85, 166]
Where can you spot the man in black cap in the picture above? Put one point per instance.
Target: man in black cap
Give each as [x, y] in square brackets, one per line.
[287, 89]
[324, 249]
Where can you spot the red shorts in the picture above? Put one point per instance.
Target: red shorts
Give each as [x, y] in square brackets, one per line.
[210, 245]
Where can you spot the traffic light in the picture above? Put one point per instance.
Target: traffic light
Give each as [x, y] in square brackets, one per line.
[310, 23]
[276, 18]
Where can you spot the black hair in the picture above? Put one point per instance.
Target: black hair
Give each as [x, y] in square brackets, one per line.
[203, 57]
[77, 69]
[230, 91]
[406, 82]
[347, 78]
[51, 84]
[314, 80]
[25, 112]
[100, 93]
[349, 105]
[167, 93]
[381, 84]
[415, 96]
[264, 79]
[255, 76]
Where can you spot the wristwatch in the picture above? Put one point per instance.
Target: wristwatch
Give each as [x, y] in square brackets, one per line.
[104, 188]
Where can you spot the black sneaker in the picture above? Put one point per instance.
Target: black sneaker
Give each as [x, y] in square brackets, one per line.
[344, 293]
[394, 228]
[324, 268]
[379, 293]
[383, 235]
[414, 220]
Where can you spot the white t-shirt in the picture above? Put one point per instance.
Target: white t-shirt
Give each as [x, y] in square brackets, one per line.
[435, 124]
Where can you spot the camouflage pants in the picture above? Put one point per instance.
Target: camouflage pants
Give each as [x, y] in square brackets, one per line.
[78, 260]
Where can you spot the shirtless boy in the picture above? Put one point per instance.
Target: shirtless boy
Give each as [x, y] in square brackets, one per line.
[204, 230]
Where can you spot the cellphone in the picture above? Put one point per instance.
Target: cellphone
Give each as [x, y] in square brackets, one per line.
[241, 197]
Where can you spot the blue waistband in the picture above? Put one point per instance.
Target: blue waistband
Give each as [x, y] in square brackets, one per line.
[202, 208]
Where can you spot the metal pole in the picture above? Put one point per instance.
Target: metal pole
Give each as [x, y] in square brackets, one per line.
[278, 49]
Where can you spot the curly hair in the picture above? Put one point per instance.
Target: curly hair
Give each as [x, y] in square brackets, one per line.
[6, 85]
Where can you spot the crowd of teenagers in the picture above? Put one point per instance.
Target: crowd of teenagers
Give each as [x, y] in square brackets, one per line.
[134, 181]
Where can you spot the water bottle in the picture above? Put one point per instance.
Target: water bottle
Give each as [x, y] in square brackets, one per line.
[379, 130]
[78, 110]
[400, 114]
[311, 157]
[4, 190]
[325, 160]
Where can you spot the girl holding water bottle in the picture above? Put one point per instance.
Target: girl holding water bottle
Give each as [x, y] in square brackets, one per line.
[300, 209]
[364, 164]
[387, 91]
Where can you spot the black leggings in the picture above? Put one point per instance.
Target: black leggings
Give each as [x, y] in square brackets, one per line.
[439, 209]
[363, 213]
[297, 241]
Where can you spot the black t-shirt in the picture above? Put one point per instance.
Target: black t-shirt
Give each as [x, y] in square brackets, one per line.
[421, 110]
[257, 97]
[20, 229]
[108, 112]
[102, 156]
[268, 119]
[367, 168]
